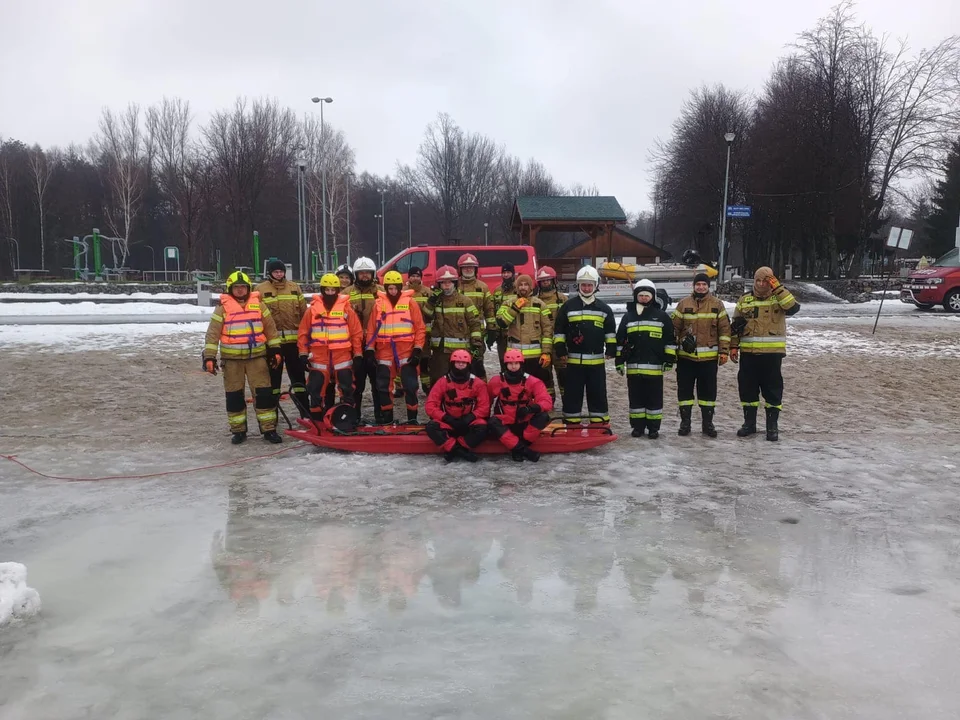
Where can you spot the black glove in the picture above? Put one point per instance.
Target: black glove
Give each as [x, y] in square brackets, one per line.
[523, 412]
[738, 325]
[560, 349]
[434, 297]
[370, 358]
[467, 420]
[358, 365]
[492, 337]
[449, 419]
[477, 352]
[415, 356]
[688, 344]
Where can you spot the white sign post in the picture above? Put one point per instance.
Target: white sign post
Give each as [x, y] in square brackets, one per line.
[898, 239]
[171, 252]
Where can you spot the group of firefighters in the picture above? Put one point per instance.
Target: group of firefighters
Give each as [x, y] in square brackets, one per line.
[401, 337]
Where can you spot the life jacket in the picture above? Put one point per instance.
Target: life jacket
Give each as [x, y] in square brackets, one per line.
[242, 331]
[459, 399]
[509, 397]
[328, 328]
[394, 322]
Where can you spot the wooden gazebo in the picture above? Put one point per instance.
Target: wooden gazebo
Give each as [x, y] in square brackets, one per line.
[597, 216]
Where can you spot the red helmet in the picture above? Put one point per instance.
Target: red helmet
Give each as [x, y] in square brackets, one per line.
[447, 273]
[460, 356]
[467, 260]
[512, 355]
[546, 273]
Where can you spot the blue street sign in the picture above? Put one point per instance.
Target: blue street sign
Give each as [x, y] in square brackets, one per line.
[741, 211]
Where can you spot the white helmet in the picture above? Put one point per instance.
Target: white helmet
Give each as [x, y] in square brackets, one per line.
[364, 263]
[645, 284]
[588, 274]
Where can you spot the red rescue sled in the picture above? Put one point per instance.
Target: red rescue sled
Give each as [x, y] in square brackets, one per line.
[413, 440]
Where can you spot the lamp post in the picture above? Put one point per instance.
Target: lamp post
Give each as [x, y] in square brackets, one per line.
[409, 204]
[383, 226]
[378, 217]
[486, 233]
[347, 180]
[304, 245]
[729, 137]
[323, 177]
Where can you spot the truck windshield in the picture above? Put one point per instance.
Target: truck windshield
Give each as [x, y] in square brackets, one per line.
[951, 259]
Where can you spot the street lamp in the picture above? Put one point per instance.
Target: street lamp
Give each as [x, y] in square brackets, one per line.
[729, 137]
[409, 204]
[378, 217]
[304, 245]
[323, 176]
[383, 225]
[486, 233]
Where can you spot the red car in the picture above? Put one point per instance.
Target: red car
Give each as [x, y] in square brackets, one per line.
[938, 284]
[491, 257]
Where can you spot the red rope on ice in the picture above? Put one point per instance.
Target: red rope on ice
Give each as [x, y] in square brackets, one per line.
[13, 459]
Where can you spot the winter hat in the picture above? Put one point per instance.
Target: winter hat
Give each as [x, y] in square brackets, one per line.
[507, 267]
[763, 273]
[275, 265]
[525, 278]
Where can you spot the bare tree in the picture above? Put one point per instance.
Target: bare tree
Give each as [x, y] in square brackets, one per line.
[455, 175]
[7, 182]
[516, 179]
[125, 151]
[42, 167]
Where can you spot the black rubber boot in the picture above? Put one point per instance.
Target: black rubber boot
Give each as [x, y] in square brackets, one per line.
[653, 429]
[466, 454]
[272, 436]
[517, 453]
[386, 417]
[411, 417]
[238, 437]
[451, 456]
[706, 414]
[749, 426]
[686, 413]
[638, 430]
[773, 430]
[528, 453]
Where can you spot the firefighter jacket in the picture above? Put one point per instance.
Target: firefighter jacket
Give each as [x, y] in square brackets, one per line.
[645, 340]
[707, 321]
[528, 325]
[456, 324]
[420, 294]
[479, 294]
[506, 397]
[553, 300]
[585, 332]
[503, 296]
[764, 322]
[323, 330]
[392, 323]
[458, 400]
[240, 331]
[286, 303]
[363, 300]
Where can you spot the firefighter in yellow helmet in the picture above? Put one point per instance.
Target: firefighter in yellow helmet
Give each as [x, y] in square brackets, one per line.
[244, 332]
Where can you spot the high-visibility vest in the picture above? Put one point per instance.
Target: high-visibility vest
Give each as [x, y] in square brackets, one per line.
[242, 331]
[329, 327]
[394, 322]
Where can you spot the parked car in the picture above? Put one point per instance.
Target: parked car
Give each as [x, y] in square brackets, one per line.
[937, 284]
[491, 258]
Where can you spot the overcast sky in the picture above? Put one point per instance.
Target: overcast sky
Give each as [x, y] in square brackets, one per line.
[584, 87]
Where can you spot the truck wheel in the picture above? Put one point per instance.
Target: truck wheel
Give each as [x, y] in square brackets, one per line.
[951, 302]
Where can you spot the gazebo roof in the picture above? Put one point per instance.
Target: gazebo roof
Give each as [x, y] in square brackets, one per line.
[566, 209]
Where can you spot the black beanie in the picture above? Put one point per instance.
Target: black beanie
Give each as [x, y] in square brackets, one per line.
[275, 265]
[701, 277]
[414, 270]
[507, 267]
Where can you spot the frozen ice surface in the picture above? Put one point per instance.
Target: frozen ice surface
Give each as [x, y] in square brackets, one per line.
[101, 308]
[186, 297]
[17, 601]
[812, 578]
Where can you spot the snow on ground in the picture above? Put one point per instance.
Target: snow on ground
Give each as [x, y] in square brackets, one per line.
[17, 601]
[165, 337]
[95, 308]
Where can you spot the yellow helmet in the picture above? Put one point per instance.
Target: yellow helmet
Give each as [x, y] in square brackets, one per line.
[330, 280]
[392, 277]
[238, 278]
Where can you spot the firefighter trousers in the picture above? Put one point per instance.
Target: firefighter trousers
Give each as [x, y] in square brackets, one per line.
[558, 368]
[510, 435]
[645, 394]
[467, 435]
[290, 359]
[703, 375]
[760, 373]
[360, 384]
[322, 386]
[255, 373]
[386, 374]
[593, 379]
[532, 367]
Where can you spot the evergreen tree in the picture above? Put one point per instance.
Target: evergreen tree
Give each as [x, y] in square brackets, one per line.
[946, 204]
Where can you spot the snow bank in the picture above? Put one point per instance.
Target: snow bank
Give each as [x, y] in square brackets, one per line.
[186, 297]
[17, 601]
[94, 308]
[163, 336]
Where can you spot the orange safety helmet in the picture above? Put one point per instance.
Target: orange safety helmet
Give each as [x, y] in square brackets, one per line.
[512, 355]
[446, 272]
[467, 260]
[460, 356]
[546, 273]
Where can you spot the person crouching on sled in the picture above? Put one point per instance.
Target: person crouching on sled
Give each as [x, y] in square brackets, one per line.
[521, 407]
[458, 407]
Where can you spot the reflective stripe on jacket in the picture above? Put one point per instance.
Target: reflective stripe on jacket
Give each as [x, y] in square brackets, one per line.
[240, 331]
[479, 294]
[585, 332]
[531, 329]
[766, 328]
[645, 340]
[706, 320]
[323, 330]
[286, 303]
[456, 324]
[392, 323]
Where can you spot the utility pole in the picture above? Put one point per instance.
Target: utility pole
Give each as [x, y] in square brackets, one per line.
[347, 179]
[323, 177]
[383, 227]
[409, 204]
[486, 233]
[729, 137]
